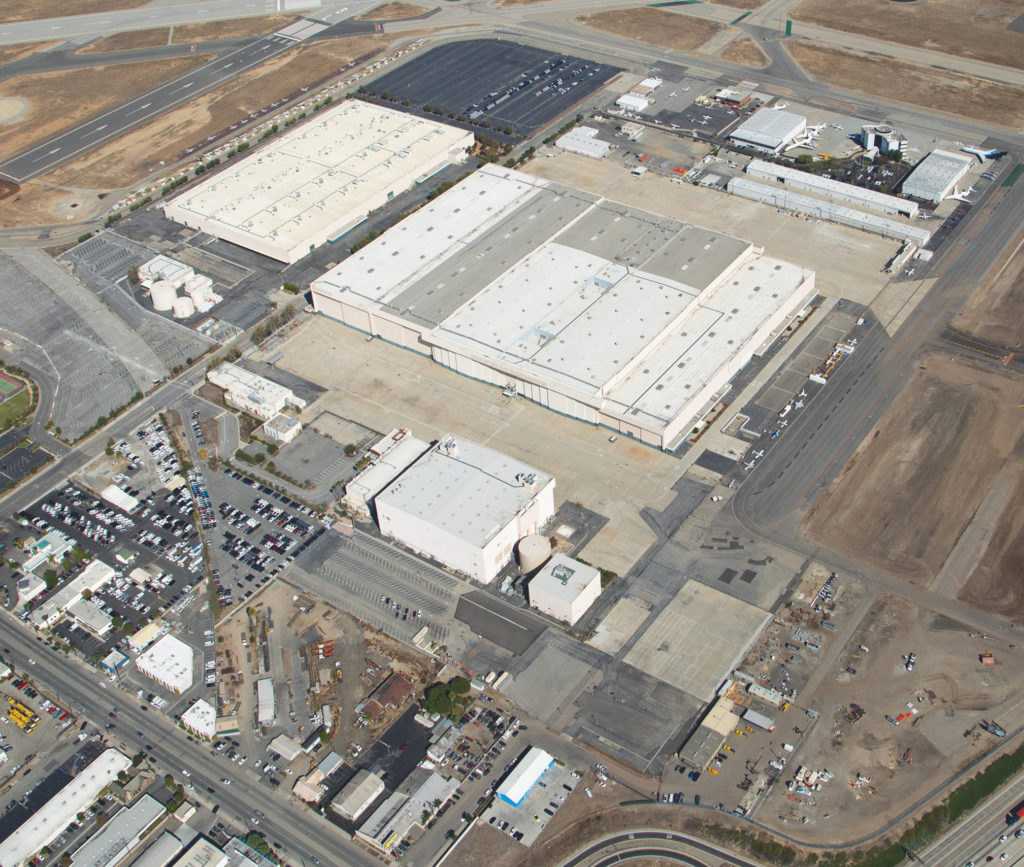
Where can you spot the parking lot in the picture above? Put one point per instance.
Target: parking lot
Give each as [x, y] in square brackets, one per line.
[511, 90]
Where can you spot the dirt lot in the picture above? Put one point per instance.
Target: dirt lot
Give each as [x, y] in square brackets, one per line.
[129, 40]
[10, 53]
[655, 27]
[59, 100]
[745, 52]
[741, 4]
[232, 29]
[391, 11]
[29, 10]
[969, 28]
[943, 698]
[995, 309]
[962, 94]
[904, 498]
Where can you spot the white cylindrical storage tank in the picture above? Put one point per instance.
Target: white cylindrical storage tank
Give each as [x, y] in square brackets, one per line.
[183, 307]
[534, 552]
[163, 294]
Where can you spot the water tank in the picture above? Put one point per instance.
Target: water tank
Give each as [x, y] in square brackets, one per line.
[183, 307]
[163, 294]
[534, 552]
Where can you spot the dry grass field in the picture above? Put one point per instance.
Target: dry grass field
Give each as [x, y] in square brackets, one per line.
[741, 4]
[233, 29]
[655, 27]
[10, 53]
[905, 497]
[968, 28]
[128, 40]
[994, 310]
[391, 11]
[957, 94]
[744, 52]
[31, 10]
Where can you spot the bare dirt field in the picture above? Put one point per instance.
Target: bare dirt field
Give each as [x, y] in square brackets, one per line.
[960, 94]
[59, 100]
[741, 4]
[994, 310]
[139, 153]
[517, 2]
[655, 27]
[968, 28]
[41, 204]
[31, 10]
[745, 52]
[943, 698]
[913, 485]
[126, 41]
[391, 11]
[995, 583]
[10, 53]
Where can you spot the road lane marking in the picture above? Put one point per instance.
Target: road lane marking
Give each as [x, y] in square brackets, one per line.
[140, 108]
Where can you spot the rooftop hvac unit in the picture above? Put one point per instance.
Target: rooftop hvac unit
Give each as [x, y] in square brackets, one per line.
[527, 480]
[449, 446]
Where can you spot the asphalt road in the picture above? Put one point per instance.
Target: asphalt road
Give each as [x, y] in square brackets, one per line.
[119, 120]
[640, 844]
[77, 686]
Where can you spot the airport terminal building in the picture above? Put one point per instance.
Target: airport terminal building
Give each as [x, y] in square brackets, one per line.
[321, 179]
[594, 309]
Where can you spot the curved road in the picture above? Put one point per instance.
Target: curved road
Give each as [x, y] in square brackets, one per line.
[632, 851]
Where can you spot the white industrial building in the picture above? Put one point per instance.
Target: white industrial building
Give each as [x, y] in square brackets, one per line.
[163, 277]
[319, 180]
[583, 140]
[597, 310]
[50, 820]
[50, 549]
[835, 191]
[936, 176]
[252, 393]
[882, 138]
[524, 776]
[265, 713]
[169, 662]
[392, 456]
[357, 795]
[392, 821]
[114, 842]
[93, 577]
[87, 614]
[282, 428]
[201, 719]
[632, 102]
[466, 505]
[825, 210]
[120, 498]
[565, 588]
[769, 130]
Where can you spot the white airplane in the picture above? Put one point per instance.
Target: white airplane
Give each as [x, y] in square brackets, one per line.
[983, 155]
[779, 106]
[818, 127]
[923, 216]
[835, 126]
[910, 273]
[758, 454]
[783, 423]
[802, 393]
[961, 195]
[749, 467]
[798, 405]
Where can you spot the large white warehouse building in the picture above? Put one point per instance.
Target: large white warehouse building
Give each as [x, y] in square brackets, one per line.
[466, 506]
[321, 179]
[769, 130]
[565, 588]
[936, 176]
[594, 309]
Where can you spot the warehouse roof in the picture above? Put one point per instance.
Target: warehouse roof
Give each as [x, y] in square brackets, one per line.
[524, 776]
[770, 128]
[371, 481]
[357, 794]
[564, 577]
[201, 718]
[319, 176]
[466, 489]
[120, 835]
[56, 814]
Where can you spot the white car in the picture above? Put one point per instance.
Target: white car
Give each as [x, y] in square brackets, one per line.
[185, 772]
[590, 794]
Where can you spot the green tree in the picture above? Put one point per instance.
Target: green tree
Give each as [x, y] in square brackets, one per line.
[50, 577]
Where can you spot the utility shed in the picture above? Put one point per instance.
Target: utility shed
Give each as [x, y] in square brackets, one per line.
[565, 588]
[759, 719]
[936, 176]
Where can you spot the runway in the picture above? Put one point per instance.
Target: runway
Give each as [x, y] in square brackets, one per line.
[118, 121]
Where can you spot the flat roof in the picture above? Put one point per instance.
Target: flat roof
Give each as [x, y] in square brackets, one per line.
[769, 127]
[55, 815]
[202, 853]
[524, 775]
[384, 470]
[465, 488]
[935, 174]
[92, 578]
[91, 616]
[318, 177]
[169, 661]
[124, 501]
[358, 794]
[161, 852]
[115, 839]
[265, 700]
[564, 578]
[240, 381]
[611, 306]
[201, 718]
